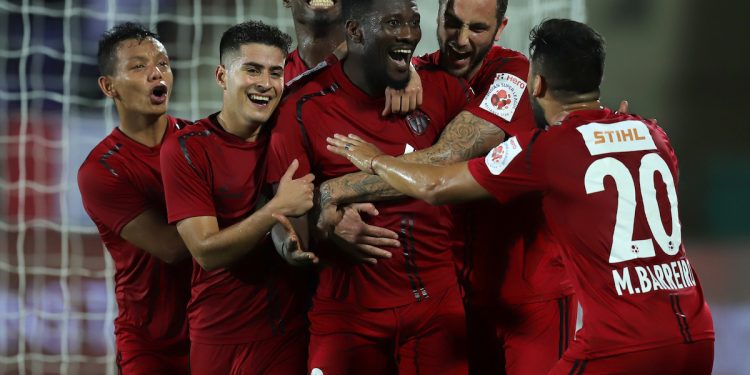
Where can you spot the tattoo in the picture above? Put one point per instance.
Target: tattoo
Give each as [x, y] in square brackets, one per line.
[466, 136]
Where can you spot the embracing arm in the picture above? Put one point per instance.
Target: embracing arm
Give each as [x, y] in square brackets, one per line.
[215, 248]
[434, 184]
[150, 232]
[466, 136]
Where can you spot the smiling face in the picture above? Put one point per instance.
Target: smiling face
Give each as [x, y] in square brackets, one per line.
[390, 33]
[142, 79]
[466, 31]
[253, 81]
[315, 12]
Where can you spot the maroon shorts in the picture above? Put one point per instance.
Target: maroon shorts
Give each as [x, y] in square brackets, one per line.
[427, 337]
[173, 361]
[696, 358]
[281, 355]
[520, 339]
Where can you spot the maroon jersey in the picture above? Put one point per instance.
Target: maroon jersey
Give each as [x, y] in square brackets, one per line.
[504, 252]
[295, 67]
[329, 103]
[609, 193]
[119, 180]
[209, 172]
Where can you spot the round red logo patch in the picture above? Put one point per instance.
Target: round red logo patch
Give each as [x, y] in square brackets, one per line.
[501, 99]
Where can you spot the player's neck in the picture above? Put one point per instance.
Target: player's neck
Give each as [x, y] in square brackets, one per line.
[353, 70]
[314, 45]
[559, 110]
[248, 132]
[147, 130]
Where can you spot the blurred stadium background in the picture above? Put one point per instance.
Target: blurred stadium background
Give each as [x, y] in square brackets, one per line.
[56, 279]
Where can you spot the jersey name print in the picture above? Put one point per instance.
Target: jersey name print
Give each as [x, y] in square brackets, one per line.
[619, 137]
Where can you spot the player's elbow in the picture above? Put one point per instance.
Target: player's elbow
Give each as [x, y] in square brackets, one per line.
[207, 263]
[173, 257]
[432, 192]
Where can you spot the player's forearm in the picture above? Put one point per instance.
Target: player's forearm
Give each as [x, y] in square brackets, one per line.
[415, 180]
[171, 249]
[356, 187]
[226, 246]
[149, 231]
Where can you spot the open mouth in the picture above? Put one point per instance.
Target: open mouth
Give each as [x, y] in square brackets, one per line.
[259, 99]
[159, 94]
[459, 58]
[321, 4]
[401, 56]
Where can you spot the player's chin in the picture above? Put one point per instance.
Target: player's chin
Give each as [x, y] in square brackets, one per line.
[261, 116]
[397, 80]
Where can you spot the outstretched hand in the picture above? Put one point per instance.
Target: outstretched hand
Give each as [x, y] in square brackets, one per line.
[354, 148]
[363, 242]
[292, 249]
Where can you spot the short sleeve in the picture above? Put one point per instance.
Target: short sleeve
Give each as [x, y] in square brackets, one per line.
[110, 197]
[502, 98]
[286, 144]
[511, 169]
[186, 182]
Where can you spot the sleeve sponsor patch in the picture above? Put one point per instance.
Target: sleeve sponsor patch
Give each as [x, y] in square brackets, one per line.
[499, 157]
[504, 95]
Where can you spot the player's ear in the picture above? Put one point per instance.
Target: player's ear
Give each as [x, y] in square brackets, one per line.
[354, 31]
[500, 29]
[107, 87]
[221, 76]
[538, 86]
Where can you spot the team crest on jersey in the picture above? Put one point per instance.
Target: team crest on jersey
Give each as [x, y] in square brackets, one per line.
[499, 157]
[418, 122]
[504, 95]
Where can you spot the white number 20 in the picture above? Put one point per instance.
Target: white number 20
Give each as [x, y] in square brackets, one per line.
[624, 247]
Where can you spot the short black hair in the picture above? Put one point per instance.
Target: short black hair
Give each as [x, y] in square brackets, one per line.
[569, 54]
[253, 32]
[107, 54]
[500, 9]
[355, 9]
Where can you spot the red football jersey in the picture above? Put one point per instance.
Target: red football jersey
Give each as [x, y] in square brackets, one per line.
[294, 67]
[609, 193]
[504, 252]
[329, 103]
[119, 180]
[209, 172]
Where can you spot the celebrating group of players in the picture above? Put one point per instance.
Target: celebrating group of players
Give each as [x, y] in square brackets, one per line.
[229, 260]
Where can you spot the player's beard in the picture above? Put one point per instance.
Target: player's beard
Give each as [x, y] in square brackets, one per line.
[378, 73]
[541, 121]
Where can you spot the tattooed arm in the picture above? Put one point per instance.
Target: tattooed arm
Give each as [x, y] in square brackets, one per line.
[466, 136]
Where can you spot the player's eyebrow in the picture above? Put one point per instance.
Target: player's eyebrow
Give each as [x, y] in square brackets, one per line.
[452, 17]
